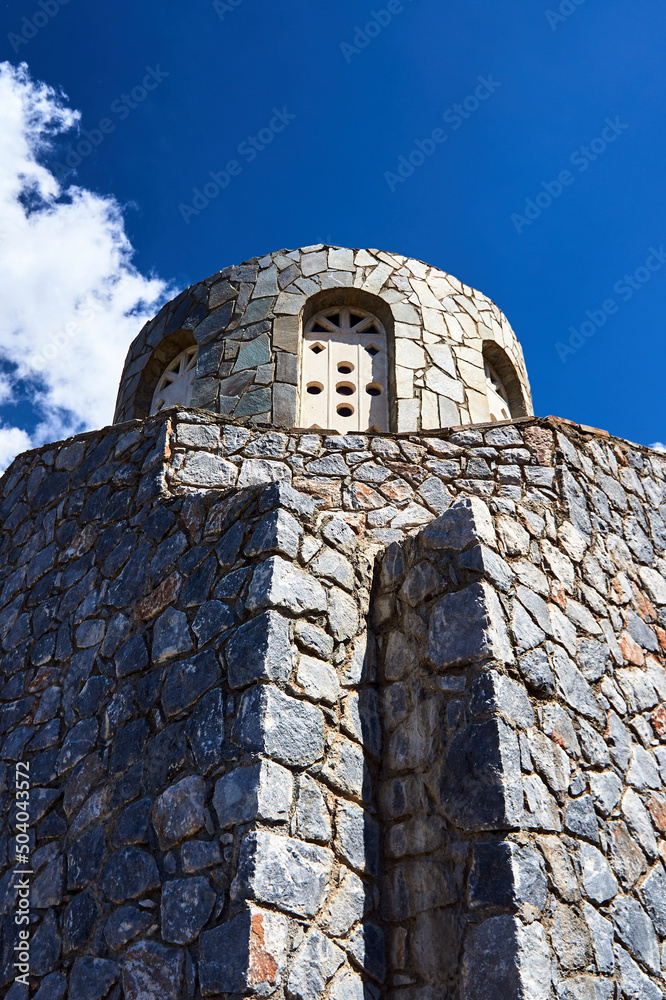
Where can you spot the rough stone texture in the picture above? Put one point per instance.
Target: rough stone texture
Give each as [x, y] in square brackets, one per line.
[256, 767]
[246, 321]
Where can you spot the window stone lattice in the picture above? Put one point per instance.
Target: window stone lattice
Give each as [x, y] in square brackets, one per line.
[498, 400]
[175, 385]
[344, 371]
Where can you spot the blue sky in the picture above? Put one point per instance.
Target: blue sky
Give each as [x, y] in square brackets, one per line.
[567, 127]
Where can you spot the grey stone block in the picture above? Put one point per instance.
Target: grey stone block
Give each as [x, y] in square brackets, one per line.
[315, 963]
[152, 972]
[129, 873]
[185, 908]
[601, 935]
[125, 924]
[480, 559]
[170, 636]
[282, 872]
[494, 692]
[357, 837]
[480, 782]
[466, 522]
[178, 812]
[288, 730]
[318, 679]
[581, 819]
[259, 650]
[536, 671]
[261, 791]
[92, 978]
[312, 817]
[466, 627]
[504, 960]
[635, 931]
[278, 531]
[635, 984]
[186, 681]
[653, 893]
[277, 583]
[245, 954]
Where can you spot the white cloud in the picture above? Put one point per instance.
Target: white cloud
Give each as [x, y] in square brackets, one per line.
[658, 446]
[71, 299]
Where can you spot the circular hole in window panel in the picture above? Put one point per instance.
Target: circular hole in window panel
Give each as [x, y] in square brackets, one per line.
[345, 389]
[317, 348]
[314, 388]
[373, 389]
[372, 350]
[345, 368]
[345, 410]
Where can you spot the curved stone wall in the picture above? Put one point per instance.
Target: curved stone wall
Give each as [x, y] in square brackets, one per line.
[248, 321]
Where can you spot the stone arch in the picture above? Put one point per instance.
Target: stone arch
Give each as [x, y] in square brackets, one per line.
[366, 303]
[497, 357]
[166, 351]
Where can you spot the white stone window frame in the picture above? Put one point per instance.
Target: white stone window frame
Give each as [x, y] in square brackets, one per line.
[174, 387]
[498, 398]
[344, 357]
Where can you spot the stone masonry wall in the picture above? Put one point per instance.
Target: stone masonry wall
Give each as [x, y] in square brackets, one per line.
[345, 717]
[248, 320]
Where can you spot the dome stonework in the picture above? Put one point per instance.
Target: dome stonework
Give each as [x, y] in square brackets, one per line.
[251, 325]
[375, 715]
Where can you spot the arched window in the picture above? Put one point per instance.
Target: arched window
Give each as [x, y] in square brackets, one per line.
[174, 387]
[504, 391]
[498, 400]
[344, 371]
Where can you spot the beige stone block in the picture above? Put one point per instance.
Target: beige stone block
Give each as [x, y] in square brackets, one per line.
[478, 407]
[441, 286]
[286, 331]
[433, 321]
[441, 355]
[429, 411]
[341, 259]
[404, 380]
[471, 354]
[408, 354]
[289, 305]
[449, 414]
[456, 331]
[442, 384]
[470, 308]
[313, 263]
[468, 324]
[408, 415]
[408, 331]
[364, 259]
[417, 267]
[404, 312]
[378, 278]
[337, 279]
[426, 296]
[473, 377]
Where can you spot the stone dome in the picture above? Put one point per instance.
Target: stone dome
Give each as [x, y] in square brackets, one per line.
[328, 337]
